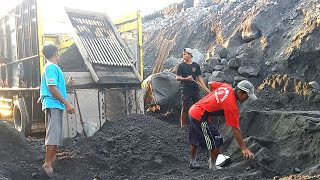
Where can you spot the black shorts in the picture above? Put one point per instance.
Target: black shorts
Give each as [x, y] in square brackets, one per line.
[204, 134]
[188, 99]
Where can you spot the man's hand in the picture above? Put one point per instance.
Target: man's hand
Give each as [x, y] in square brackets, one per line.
[190, 78]
[207, 90]
[70, 108]
[247, 153]
[71, 82]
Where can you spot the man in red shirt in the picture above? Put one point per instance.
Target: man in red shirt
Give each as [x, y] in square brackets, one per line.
[222, 100]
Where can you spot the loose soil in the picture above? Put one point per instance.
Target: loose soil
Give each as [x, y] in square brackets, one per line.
[143, 147]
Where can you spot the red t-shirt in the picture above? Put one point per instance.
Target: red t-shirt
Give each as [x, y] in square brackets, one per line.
[221, 98]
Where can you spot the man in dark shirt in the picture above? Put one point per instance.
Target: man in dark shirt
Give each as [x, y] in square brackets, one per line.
[188, 73]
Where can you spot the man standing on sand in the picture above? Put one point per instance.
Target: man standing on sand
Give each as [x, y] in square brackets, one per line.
[53, 95]
[188, 72]
[221, 101]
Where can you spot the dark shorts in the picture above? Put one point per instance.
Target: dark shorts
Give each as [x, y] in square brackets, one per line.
[204, 134]
[188, 99]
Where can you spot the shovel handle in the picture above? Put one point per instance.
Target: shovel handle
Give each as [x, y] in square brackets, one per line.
[201, 86]
[77, 101]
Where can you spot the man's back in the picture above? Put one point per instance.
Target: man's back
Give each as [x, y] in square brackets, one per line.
[222, 98]
[52, 76]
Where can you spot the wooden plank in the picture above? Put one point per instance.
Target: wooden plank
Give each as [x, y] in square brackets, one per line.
[131, 102]
[139, 101]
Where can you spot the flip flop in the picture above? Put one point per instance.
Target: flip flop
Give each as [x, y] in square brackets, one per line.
[48, 171]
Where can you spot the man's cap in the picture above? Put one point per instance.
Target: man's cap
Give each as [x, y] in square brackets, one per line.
[188, 50]
[247, 87]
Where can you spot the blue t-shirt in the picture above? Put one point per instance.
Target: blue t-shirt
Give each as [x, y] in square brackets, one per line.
[52, 76]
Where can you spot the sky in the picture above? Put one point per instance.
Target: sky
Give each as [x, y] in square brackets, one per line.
[54, 15]
[114, 8]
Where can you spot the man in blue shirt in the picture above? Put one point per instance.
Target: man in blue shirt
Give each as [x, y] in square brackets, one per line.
[53, 95]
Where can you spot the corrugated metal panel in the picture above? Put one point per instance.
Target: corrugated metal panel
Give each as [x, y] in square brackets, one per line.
[104, 52]
[99, 39]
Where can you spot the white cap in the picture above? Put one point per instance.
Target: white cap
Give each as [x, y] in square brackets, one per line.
[247, 87]
[188, 50]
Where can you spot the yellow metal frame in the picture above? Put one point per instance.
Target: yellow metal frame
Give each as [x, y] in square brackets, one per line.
[129, 23]
[40, 33]
[140, 43]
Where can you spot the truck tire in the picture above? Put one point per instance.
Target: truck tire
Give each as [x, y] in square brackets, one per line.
[20, 117]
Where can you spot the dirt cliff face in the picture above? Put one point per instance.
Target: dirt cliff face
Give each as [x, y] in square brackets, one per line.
[266, 33]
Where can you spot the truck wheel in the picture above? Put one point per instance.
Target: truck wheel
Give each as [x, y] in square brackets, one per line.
[21, 120]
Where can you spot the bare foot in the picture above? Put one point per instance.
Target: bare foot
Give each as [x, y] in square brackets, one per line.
[48, 170]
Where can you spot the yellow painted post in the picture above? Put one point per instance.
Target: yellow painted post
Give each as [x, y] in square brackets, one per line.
[140, 43]
[40, 33]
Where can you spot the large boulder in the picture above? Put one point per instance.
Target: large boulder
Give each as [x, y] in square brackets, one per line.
[171, 63]
[250, 32]
[249, 71]
[198, 57]
[221, 51]
[235, 63]
[217, 76]
[218, 68]
[165, 87]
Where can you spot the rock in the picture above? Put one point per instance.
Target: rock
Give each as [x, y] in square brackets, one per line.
[187, 4]
[221, 51]
[218, 68]
[249, 71]
[170, 63]
[314, 85]
[207, 68]
[264, 156]
[176, 172]
[250, 32]
[203, 3]
[277, 68]
[218, 76]
[171, 10]
[235, 63]
[35, 175]
[296, 170]
[315, 97]
[314, 170]
[213, 62]
[165, 87]
[224, 62]
[197, 56]
[207, 74]
[238, 79]
[111, 140]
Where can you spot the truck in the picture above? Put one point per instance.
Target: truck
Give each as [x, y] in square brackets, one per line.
[109, 85]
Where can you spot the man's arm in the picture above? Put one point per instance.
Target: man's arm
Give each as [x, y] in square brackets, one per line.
[203, 84]
[238, 135]
[180, 78]
[56, 94]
